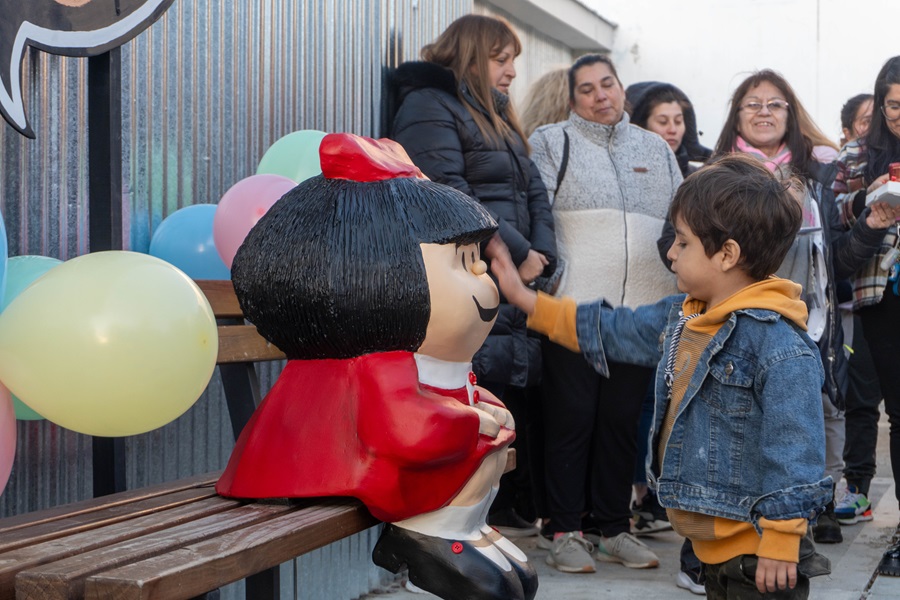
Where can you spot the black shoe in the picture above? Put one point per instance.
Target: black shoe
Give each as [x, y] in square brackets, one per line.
[446, 568]
[508, 522]
[890, 562]
[523, 570]
[648, 516]
[827, 529]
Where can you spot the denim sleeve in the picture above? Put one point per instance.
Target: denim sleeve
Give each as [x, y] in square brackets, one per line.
[625, 335]
[792, 440]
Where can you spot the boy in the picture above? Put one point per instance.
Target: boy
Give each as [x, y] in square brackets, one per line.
[740, 439]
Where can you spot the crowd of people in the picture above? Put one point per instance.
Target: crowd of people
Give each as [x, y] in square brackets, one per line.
[602, 193]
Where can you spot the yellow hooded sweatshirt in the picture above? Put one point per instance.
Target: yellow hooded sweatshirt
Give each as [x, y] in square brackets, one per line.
[715, 539]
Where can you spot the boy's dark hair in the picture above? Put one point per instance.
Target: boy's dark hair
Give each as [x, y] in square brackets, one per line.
[334, 268]
[737, 197]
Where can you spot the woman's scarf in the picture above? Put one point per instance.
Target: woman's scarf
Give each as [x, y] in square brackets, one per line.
[775, 163]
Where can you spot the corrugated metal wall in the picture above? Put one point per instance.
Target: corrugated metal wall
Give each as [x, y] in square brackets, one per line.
[205, 91]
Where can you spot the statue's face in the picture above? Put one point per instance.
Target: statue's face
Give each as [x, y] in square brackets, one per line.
[464, 301]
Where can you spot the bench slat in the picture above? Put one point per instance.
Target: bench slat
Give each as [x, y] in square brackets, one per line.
[242, 343]
[192, 570]
[24, 558]
[64, 578]
[104, 502]
[85, 521]
[221, 297]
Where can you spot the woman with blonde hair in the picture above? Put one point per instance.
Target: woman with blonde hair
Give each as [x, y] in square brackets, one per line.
[548, 100]
[457, 124]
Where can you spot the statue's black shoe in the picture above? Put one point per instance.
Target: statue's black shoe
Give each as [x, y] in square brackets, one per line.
[453, 570]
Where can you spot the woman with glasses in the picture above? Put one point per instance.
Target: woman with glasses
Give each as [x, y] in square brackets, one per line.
[767, 120]
[863, 167]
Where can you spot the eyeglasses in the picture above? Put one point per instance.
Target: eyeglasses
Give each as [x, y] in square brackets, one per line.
[891, 111]
[772, 106]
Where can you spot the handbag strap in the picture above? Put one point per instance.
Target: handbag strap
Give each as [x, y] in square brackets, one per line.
[564, 163]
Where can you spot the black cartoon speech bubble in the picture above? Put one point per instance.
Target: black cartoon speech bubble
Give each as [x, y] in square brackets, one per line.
[66, 27]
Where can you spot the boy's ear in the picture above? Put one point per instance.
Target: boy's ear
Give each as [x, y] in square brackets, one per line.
[730, 255]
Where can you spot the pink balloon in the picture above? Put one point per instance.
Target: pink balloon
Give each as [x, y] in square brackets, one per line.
[242, 206]
[7, 435]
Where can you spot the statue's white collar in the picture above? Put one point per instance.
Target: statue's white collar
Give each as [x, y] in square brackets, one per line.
[442, 374]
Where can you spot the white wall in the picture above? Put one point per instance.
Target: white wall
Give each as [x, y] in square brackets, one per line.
[828, 50]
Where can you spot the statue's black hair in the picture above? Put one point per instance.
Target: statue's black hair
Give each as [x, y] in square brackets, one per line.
[334, 268]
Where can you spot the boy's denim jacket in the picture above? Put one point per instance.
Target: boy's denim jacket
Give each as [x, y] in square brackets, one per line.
[748, 440]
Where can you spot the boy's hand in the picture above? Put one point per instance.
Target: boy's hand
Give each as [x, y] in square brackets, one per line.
[773, 575]
[508, 276]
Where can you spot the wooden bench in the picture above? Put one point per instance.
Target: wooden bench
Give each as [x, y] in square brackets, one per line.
[176, 540]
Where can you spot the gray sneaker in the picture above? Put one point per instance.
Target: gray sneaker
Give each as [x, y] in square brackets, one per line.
[628, 550]
[571, 553]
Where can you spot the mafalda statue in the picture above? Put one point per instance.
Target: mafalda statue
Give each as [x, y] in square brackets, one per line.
[369, 279]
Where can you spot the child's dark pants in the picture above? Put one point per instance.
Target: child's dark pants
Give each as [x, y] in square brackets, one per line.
[736, 580]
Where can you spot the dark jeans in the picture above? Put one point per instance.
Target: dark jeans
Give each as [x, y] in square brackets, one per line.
[736, 580]
[689, 560]
[590, 439]
[861, 413]
[881, 325]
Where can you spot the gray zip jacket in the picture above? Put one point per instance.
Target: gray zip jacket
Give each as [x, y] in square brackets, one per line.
[610, 207]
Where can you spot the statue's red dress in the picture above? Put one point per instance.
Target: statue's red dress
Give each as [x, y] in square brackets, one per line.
[362, 427]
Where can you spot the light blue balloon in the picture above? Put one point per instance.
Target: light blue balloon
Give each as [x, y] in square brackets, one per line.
[185, 239]
[22, 271]
[4, 253]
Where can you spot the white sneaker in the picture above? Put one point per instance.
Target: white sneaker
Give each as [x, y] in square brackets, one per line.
[411, 587]
[685, 581]
[853, 507]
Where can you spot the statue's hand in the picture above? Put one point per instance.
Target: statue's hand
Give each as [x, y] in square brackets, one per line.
[489, 403]
[487, 424]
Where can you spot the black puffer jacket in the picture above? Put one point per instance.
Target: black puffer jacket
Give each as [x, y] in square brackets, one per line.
[442, 138]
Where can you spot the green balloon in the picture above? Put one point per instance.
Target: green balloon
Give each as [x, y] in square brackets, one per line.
[23, 411]
[295, 156]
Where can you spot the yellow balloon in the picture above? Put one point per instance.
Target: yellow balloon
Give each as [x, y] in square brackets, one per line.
[109, 344]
